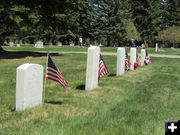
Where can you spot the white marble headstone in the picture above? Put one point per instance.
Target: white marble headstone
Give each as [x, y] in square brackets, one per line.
[132, 57]
[18, 45]
[29, 86]
[39, 44]
[50, 44]
[92, 68]
[143, 55]
[26, 44]
[11, 44]
[120, 61]
[59, 44]
[157, 48]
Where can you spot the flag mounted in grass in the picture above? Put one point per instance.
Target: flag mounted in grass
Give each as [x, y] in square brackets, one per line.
[138, 59]
[147, 59]
[53, 73]
[102, 68]
[127, 62]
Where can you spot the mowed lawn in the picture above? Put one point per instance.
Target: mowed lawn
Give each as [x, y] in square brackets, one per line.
[137, 103]
[166, 51]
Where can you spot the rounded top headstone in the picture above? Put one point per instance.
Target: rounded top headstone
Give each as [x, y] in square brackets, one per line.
[28, 65]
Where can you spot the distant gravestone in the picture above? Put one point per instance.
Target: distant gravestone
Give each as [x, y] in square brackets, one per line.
[120, 61]
[143, 55]
[100, 44]
[18, 45]
[11, 43]
[157, 48]
[59, 44]
[26, 44]
[132, 57]
[39, 44]
[92, 68]
[50, 43]
[29, 86]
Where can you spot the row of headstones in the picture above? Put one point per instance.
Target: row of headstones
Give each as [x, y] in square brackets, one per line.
[38, 44]
[29, 77]
[92, 69]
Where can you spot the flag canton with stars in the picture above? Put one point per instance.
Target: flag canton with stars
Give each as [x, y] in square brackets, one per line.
[53, 73]
[102, 68]
[172, 127]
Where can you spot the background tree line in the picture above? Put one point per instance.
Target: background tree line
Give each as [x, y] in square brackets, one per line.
[109, 22]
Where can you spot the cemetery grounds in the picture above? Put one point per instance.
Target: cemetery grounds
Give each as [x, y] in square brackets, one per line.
[136, 103]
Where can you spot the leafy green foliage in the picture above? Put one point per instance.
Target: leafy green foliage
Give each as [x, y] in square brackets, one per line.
[170, 35]
[146, 16]
[110, 18]
[111, 23]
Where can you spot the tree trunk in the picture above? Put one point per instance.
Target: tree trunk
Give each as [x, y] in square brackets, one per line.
[108, 41]
[1, 43]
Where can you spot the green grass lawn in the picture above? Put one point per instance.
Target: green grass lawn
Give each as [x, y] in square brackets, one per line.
[84, 49]
[137, 103]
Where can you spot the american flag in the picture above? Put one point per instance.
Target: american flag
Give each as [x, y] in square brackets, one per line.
[138, 59]
[102, 68]
[148, 58]
[53, 73]
[127, 62]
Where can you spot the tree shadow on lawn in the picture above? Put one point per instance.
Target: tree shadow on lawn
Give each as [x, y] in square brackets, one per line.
[81, 87]
[23, 54]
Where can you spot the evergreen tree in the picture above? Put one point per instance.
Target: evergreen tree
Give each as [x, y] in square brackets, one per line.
[146, 16]
[109, 19]
[8, 20]
[171, 13]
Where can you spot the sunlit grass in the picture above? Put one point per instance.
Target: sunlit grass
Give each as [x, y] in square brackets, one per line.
[136, 103]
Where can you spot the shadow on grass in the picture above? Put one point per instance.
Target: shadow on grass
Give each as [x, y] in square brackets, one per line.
[23, 54]
[54, 102]
[81, 87]
[110, 75]
[13, 110]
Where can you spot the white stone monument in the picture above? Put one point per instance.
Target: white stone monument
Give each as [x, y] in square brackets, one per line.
[29, 86]
[11, 44]
[50, 43]
[157, 48]
[59, 43]
[18, 45]
[120, 61]
[92, 68]
[143, 56]
[132, 57]
[26, 44]
[39, 44]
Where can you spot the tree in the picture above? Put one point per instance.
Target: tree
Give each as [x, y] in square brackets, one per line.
[146, 16]
[171, 13]
[170, 35]
[7, 21]
[109, 19]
